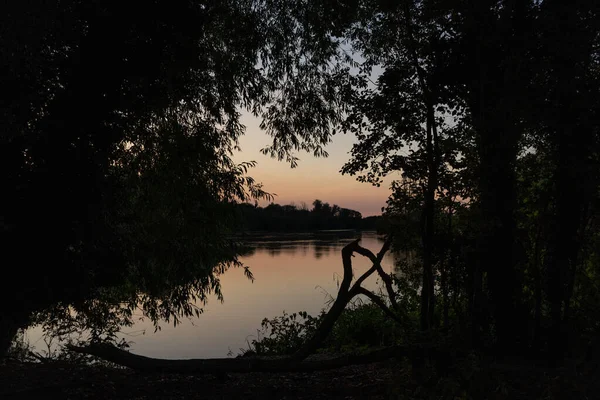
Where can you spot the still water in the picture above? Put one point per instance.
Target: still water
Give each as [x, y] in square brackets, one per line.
[291, 275]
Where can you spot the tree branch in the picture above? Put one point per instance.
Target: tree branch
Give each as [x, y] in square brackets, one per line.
[336, 309]
[377, 267]
[234, 365]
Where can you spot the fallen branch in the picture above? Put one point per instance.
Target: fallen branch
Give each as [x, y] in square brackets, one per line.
[235, 365]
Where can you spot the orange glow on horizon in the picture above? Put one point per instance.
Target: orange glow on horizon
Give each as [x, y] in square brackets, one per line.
[314, 178]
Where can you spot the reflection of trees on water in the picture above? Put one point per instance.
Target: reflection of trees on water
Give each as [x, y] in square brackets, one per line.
[319, 247]
[322, 249]
[304, 247]
[273, 251]
[402, 264]
[292, 248]
[247, 251]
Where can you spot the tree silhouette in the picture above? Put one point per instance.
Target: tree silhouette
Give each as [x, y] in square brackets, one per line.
[470, 97]
[119, 187]
[288, 218]
[116, 152]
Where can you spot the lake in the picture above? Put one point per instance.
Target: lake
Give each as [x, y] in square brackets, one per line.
[291, 274]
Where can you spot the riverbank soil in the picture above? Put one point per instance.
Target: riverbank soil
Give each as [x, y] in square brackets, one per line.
[386, 380]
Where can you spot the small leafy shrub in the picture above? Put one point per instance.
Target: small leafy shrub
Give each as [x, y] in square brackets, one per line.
[362, 325]
[285, 334]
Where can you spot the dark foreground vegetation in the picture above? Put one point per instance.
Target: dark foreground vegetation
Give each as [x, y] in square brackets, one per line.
[119, 120]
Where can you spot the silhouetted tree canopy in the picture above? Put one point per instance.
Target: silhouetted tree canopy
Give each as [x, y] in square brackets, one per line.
[489, 111]
[118, 125]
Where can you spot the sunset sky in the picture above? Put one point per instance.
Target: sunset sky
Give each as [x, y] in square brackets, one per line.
[314, 178]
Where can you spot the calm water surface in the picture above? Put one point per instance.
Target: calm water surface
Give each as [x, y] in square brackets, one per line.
[290, 275]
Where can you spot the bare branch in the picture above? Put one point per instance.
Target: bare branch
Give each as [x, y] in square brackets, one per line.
[376, 264]
[336, 309]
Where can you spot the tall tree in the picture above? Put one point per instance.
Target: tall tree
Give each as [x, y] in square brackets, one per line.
[116, 154]
[404, 110]
[497, 40]
[569, 74]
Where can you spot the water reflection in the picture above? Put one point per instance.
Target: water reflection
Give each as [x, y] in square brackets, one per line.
[293, 248]
[291, 274]
[295, 274]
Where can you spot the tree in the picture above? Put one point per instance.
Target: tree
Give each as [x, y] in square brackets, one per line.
[317, 206]
[116, 154]
[277, 218]
[439, 111]
[570, 74]
[404, 111]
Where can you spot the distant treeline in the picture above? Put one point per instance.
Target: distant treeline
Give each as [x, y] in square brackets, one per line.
[293, 218]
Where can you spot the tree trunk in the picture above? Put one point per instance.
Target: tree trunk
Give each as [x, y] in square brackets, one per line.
[427, 235]
[427, 291]
[564, 249]
[568, 42]
[575, 255]
[498, 202]
[345, 294]
[496, 83]
[537, 276]
[444, 270]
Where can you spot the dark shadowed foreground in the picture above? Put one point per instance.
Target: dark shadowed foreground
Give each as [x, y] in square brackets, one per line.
[32, 381]
[387, 380]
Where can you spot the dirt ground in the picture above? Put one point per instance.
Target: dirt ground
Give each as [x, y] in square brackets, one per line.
[23, 381]
[385, 380]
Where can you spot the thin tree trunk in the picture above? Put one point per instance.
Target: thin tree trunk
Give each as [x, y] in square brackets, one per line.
[496, 83]
[572, 131]
[345, 294]
[444, 287]
[427, 292]
[575, 257]
[444, 270]
[537, 276]
[455, 284]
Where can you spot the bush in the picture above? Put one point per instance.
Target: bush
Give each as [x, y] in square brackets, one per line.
[361, 325]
